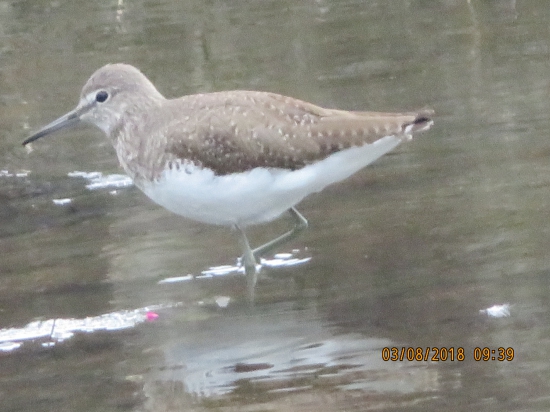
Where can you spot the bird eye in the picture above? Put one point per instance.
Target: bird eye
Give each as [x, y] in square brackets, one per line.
[101, 96]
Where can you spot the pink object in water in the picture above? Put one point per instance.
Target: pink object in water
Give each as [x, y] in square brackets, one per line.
[151, 316]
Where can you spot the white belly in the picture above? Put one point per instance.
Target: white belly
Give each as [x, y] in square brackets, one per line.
[259, 195]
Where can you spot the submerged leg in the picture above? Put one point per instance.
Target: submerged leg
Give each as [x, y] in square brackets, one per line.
[251, 257]
[300, 223]
[249, 262]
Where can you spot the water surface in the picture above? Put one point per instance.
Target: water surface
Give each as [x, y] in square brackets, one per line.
[107, 302]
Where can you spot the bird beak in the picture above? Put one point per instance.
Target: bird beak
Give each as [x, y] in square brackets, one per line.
[67, 120]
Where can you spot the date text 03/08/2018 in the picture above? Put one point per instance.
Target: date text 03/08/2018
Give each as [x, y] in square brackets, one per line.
[442, 354]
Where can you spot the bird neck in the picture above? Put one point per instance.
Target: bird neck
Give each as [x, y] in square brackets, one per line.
[137, 143]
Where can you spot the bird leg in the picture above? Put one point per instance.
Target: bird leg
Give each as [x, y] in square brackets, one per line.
[249, 263]
[251, 257]
[300, 223]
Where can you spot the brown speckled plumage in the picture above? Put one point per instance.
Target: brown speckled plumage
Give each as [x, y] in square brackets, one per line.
[240, 130]
[232, 131]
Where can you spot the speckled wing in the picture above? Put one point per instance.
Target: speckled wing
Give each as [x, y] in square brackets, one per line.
[232, 132]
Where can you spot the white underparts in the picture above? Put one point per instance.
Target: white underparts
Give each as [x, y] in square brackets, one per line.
[259, 195]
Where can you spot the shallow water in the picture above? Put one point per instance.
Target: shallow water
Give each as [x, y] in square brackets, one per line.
[108, 302]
